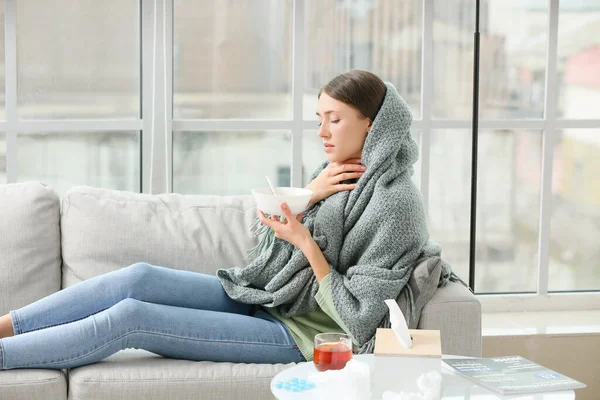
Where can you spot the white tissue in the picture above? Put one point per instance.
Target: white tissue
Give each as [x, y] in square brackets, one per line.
[353, 382]
[430, 385]
[398, 324]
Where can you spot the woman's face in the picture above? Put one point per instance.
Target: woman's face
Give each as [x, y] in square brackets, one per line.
[342, 128]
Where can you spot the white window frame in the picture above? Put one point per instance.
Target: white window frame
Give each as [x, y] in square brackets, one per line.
[157, 107]
[12, 125]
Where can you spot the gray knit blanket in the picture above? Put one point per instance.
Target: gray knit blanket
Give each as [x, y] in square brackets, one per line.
[373, 238]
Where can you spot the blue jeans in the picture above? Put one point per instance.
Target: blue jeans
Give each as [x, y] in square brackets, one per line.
[169, 312]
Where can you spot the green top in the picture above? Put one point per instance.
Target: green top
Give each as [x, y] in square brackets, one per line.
[304, 327]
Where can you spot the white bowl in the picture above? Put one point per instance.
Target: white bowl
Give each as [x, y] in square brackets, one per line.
[296, 198]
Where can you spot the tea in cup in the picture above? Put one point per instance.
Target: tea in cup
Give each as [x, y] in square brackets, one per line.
[332, 351]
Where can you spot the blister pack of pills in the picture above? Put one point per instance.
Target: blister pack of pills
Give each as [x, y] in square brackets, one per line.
[295, 385]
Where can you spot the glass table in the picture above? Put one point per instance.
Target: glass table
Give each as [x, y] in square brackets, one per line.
[453, 385]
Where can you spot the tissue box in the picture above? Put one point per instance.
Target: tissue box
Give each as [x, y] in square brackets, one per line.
[398, 368]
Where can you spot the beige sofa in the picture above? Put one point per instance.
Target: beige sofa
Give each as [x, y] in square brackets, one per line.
[47, 244]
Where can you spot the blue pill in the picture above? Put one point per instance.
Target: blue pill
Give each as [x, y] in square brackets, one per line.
[302, 382]
[310, 385]
[294, 380]
[279, 385]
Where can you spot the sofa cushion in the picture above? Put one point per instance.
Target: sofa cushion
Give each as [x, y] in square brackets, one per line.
[456, 312]
[104, 230]
[33, 384]
[30, 257]
[133, 374]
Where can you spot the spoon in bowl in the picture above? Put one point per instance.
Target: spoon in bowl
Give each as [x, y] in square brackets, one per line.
[270, 186]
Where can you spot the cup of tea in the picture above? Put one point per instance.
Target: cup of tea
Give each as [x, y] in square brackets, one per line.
[332, 351]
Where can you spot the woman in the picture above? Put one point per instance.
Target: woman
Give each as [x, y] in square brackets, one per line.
[325, 270]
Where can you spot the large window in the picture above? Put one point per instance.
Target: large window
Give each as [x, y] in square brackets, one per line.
[78, 60]
[508, 205]
[209, 96]
[72, 93]
[2, 158]
[578, 63]
[574, 251]
[232, 59]
[2, 69]
[229, 162]
[575, 222]
[512, 60]
[3, 177]
[66, 159]
[384, 37]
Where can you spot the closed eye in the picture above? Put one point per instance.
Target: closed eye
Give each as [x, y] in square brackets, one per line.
[332, 121]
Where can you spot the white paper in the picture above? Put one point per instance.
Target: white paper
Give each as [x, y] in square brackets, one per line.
[398, 323]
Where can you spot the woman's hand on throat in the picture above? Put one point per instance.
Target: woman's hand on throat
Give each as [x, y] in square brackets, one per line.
[329, 180]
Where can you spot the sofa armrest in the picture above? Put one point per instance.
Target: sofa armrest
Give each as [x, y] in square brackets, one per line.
[456, 313]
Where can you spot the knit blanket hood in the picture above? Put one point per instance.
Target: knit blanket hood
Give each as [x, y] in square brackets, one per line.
[372, 237]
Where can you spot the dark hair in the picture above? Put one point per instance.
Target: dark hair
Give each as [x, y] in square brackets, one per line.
[362, 90]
